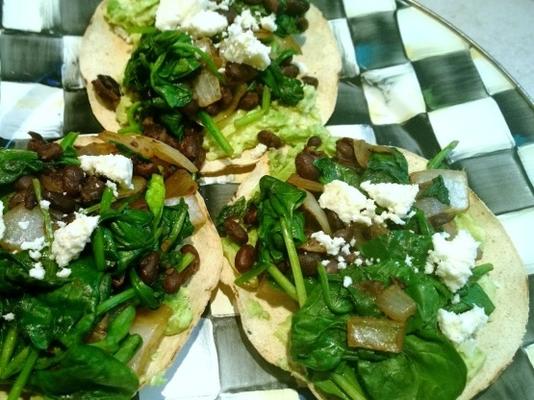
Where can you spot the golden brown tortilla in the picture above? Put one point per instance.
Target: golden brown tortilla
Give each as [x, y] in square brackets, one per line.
[104, 52]
[499, 339]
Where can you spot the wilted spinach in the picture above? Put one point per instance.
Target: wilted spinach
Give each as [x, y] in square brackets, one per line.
[15, 163]
[330, 170]
[235, 210]
[289, 91]
[387, 167]
[436, 189]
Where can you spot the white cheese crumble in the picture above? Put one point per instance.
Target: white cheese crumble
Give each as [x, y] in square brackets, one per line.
[116, 167]
[333, 245]
[269, 23]
[70, 241]
[44, 204]
[348, 203]
[408, 260]
[461, 327]
[397, 198]
[241, 46]
[246, 20]
[347, 281]
[64, 273]
[113, 186]
[9, 316]
[197, 17]
[23, 225]
[2, 225]
[35, 245]
[452, 260]
[455, 299]
[37, 272]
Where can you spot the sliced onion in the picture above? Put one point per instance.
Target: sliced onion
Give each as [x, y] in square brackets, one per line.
[139, 185]
[225, 114]
[206, 88]
[375, 334]
[196, 212]
[150, 148]
[312, 206]
[97, 149]
[396, 304]
[15, 234]
[150, 325]
[179, 184]
[363, 150]
[305, 184]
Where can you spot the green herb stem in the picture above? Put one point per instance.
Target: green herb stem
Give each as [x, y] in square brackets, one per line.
[215, 133]
[176, 228]
[282, 281]
[16, 364]
[97, 243]
[249, 118]
[115, 301]
[22, 379]
[128, 348]
[439, 158]
[325, 287]
[49, 232]
[7, 348]
[254, 273]
[294, 262]
[352, 391]
[266, 100]
[187, 259]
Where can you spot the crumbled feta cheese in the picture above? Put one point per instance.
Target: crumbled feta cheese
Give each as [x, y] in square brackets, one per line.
[37, 272]
[358, 262]
[197, 18]
[44, 204]
[23, 225]
[2, 225]
[347, 281]
[352, 242]
[70, 241]
[341, 263]
[332, 245]
[461, 327]
[246, 20]
[35, 255]
[269, 23]
[452, 260]
[9, 316]
[217, 180]
[116, 167]
[36, 245]
[408, 260]
[345, 250]
[113, 186]
[348, 203]
[64, 273]
[244, 48]
[455, 299]
[61, 224]
[396, 198]
[324, 263]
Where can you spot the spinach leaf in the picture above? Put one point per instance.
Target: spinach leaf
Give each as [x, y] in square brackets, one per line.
[87, 372]
[330, 170]
[235, 210]
[472, 295]
[286, 25]
[54, 315]
[69, 156]
[289, 91]
[428, 368]
[436, 189]
[387, 167]
[14, 163]
[175, 225]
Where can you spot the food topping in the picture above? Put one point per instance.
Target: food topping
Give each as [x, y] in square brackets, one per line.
[461, 327]
[116, 167]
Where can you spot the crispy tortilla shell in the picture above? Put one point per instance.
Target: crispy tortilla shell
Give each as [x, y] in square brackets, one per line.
[103, 52]
[499, 339]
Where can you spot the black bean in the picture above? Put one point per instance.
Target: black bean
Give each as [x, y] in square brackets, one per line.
[297, 7]
[171, 281]
[191, 108]
[30, 200]
[345, 152]
[291, 71]
[314, 141]
[302, 24]
[287, 61]
[305, 168]
[251, 216]
[72, 179]
[269, 139]
[23, 183]
[60, 202]
[92, 189]
[107, 90]
[149, 268]
[190, 146]
[249, 101]
[271, 5]
[309, 262]
[235, 231]
[240, 72]
[118, 281]
[16, 199]
[334, 221]
[227, 96]
[159, 132]
[245, 258]
[190, 249]
[310, 80]
[214, 108]
[145, 169]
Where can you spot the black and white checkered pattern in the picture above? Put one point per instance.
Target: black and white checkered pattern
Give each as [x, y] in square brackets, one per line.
[407, 80]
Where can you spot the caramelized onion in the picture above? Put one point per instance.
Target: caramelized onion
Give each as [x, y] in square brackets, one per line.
[305, 184]
[139, 185]
[180, 184]
[31, 226]
[313, 207]
[206, 88]
[150, 148]
[396, 304]
[375, 334]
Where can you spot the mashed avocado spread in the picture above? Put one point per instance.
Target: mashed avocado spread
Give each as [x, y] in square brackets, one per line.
[131, 15]
[182, 315]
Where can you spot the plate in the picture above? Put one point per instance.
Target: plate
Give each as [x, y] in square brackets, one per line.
[409, 79]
